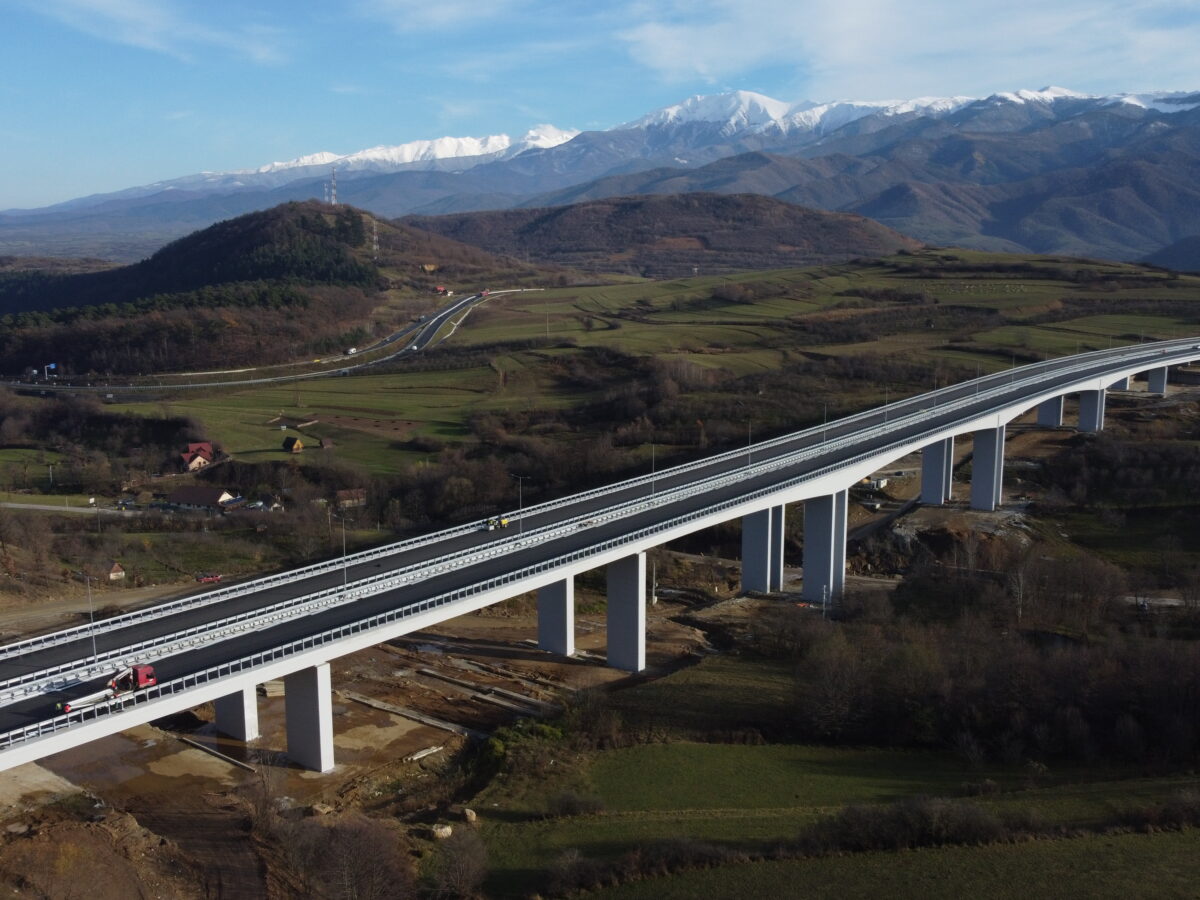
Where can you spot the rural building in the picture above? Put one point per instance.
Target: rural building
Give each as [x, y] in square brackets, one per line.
[293, 444]
[351, 498]
[199, 497]
[197, 456]
[116, 572]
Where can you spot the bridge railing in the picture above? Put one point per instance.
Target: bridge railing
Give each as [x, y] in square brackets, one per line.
[331, 636]
[39, 682]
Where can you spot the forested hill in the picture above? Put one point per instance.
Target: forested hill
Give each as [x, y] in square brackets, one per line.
[669, 236]
[266, 287]
[298, 243]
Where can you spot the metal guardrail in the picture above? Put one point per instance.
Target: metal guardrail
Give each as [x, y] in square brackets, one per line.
[41, 681]
[117, 622]
[332, 635]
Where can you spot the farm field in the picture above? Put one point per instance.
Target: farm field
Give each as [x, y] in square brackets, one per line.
[1109, 866]
[948, 315]
[752, 798]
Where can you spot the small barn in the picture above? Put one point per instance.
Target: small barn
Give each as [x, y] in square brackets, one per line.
[292, 445]
[116, 571]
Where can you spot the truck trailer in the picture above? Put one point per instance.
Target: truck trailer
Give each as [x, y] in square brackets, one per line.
[125, 681]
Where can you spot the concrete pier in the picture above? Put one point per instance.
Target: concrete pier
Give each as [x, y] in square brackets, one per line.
[777, 522]
[237, 714]
[1050, 412]
[824, 548]
[556, 617]
[762, 550]
[627, 613]
[1122, 385]
[308, 702]
[987, 469]
[937, 472]
[1157, 379]
[1091, 411]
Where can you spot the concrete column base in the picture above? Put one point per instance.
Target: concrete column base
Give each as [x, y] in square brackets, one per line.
[627, 613]
[1157, 381]
[777, 523]
[762, 550]
[1091, 411]
[237, 714]
[556, 617]
[824, 548]
[308, 700]
[987, 469]
[1050, 412]
[937, 472]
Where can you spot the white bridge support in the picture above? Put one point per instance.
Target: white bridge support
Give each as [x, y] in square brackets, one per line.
[1050, 412]
[762, 550]
[937, 472]
[1157, 379]
[1120, 385]
[237, 714]
[556, 617]
[308, 701]
[824, 548]
[1091, 411]
[627, 613]
[987, 469]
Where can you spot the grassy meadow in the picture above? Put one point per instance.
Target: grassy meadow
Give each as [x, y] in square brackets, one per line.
[949, 313]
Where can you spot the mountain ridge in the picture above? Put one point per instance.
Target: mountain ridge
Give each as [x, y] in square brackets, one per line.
[994, 154]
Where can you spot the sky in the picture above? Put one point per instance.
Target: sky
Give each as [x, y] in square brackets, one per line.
[99, 95]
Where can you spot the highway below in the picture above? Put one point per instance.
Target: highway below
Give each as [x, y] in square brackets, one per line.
[422, 333]
[522, 545]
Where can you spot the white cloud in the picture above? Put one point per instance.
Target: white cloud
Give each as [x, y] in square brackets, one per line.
[881, 48]
[162, 26]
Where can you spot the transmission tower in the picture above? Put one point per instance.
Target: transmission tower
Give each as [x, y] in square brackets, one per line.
[374, 239]
[333, 186]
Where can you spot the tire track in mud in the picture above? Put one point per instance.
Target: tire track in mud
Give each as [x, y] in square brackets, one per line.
[215, 839]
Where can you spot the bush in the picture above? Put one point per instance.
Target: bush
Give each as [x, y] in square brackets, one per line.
[915, 822]
[569, 803]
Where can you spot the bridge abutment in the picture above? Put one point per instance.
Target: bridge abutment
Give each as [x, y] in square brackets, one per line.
[627, 613]
[1157, 379]
[308, 701]
[937, 472]
[987, 469]
[762, 550]
[824, 548]
[1050, 412]
[237, 714]
[556, 617]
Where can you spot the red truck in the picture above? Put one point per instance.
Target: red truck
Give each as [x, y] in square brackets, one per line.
[132, 679]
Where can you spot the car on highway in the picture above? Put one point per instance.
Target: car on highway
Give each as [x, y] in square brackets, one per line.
[207, 577]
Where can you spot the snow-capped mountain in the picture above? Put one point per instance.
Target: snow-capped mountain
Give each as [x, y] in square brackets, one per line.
[745, 112]
[468, 150]
[928, 166]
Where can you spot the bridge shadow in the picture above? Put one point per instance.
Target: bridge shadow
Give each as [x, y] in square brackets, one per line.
[482, 647]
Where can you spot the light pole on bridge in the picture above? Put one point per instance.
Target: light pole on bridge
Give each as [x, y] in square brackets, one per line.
[520, 501]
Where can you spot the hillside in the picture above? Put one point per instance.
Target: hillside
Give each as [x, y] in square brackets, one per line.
[265, 287]
[1182, 256]
[672, 235]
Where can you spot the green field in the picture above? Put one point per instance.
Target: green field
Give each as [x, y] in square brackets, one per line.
[755, 797]
[1016, 308]
[1110, 866]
